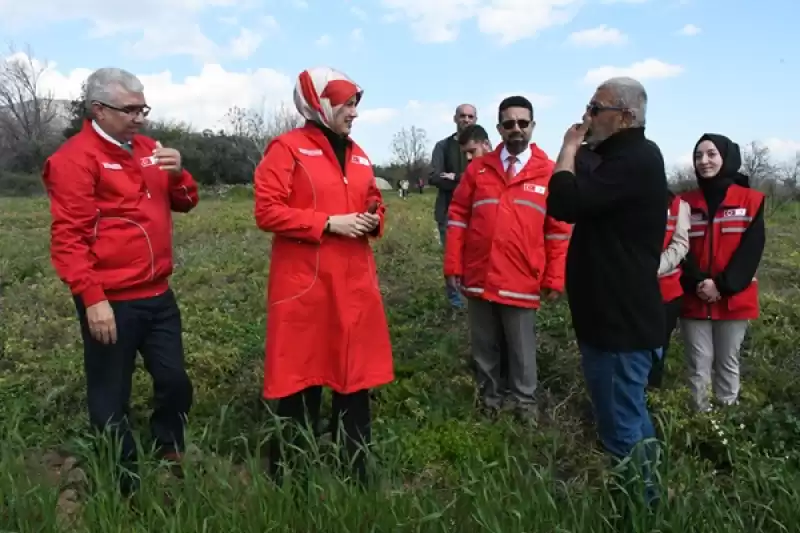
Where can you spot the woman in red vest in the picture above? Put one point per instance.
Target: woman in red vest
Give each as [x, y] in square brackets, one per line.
[726, 244]
[326, 326]
[676, 245]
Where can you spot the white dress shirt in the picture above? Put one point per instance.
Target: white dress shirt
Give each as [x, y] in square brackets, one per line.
[109, 138]
[519, 164]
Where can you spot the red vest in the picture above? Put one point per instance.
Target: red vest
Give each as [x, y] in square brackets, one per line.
[712, 241]
[670, 282]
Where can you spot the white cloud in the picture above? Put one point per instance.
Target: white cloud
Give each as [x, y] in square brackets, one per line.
[323, 40]
[245, 44]
[649, 69]
[154, 28]
[507, 21]
[357, 35]
[690, 30]
[202, 100]
[599, 36]
[300, 4]
[199, 100]
[358, 13]
[624, 1]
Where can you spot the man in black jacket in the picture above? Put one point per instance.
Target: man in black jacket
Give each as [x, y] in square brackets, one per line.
[616, 200]
[447, 164]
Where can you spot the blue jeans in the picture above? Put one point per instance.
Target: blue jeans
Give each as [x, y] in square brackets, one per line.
[616, 383]
[453, 296]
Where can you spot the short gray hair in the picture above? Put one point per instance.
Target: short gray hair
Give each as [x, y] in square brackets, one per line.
[102, 84]
[629, 94]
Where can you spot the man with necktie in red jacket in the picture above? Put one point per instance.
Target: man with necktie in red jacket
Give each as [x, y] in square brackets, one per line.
[504, 253]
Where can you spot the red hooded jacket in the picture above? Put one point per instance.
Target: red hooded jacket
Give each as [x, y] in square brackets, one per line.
[111, 229]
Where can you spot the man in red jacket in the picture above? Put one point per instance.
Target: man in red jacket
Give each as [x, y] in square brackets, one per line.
[503, 252]
[111, 194]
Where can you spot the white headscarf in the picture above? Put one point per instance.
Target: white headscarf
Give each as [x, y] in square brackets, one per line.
[321, 91]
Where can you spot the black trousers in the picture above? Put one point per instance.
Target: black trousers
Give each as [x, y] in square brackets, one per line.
[351, 422]
[672, 312]
[151, 327]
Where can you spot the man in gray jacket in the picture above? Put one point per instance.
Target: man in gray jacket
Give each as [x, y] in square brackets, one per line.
[447, 164]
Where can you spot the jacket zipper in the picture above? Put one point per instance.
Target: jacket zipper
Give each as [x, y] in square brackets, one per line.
[144, 183]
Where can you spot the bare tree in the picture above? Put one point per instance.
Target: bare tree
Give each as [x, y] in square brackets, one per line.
[757, 164]
[27, 112]
[789, 172]
[682, 179]
[410, 150]
[257, 127]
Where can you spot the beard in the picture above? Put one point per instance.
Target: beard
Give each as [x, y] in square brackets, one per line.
[516, 144]
[593, 138]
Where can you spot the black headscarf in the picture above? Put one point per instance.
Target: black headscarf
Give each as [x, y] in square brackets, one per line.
[731, 160]
[714, 189]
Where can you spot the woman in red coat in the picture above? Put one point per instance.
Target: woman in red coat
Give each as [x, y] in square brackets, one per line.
[315, 191]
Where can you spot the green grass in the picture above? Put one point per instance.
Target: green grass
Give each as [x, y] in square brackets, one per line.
[439, 466]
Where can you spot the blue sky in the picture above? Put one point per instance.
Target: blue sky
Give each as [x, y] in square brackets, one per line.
[707, 65]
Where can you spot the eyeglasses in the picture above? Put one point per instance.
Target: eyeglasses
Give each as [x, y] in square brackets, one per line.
[596, 109]
[130, 110]
[509, 124]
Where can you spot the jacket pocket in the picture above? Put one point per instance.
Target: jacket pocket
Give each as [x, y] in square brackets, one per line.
[123, 251]
[294, 270]
[747, 300]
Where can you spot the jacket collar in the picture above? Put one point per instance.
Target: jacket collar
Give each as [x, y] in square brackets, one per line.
[317, 136]
[104, 141]
[620, 140]
[537, 163]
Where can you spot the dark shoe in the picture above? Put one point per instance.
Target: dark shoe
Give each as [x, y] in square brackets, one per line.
[175, 461]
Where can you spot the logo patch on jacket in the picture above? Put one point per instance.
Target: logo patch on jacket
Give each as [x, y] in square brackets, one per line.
[112, 166]
[537, 189]
[360, 160]
[308, 151]
[740, 212]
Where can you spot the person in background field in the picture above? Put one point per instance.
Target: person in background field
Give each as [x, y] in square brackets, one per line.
[447, 165]
[727, 240]
[504, 252]
[617, 205]
[676, 245]
[112, 191]
[326, 326]
[474, 142]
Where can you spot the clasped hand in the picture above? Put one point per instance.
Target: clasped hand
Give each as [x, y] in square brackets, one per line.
[707, 291]
[354, 225]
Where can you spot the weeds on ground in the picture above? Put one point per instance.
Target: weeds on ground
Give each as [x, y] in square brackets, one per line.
[439, 466]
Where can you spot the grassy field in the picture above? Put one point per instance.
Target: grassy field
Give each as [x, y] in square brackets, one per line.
[440, 467]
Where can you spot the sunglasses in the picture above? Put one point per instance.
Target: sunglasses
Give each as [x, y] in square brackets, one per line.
[595, 109]
[509, 124]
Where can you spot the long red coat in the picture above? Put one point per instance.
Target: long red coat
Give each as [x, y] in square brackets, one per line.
[326, 323]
